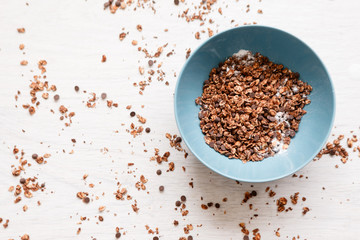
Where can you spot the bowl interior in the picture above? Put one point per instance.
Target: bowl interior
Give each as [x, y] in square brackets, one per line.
[280, 47]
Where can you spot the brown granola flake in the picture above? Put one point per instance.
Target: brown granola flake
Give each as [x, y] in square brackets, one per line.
[249, 195]
[171, 166]
[197, 35]
[272, 193]
[103, 58]
[141, 184]
[122, 36]
[158, 158]
[63, 109]
[305, 210]
[244, 230]
[25, 208]
[120, 194]
[45, 95]
[134, 207]
[294, 198]
[184, 213]
[6, 224]
[139, 27]
[25, 237]
[210, 32]
[188, 52]
[31, 110]
[281, 202]
[24, 63]
[82, 195]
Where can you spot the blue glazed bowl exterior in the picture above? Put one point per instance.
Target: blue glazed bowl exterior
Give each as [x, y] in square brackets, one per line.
[280, 47]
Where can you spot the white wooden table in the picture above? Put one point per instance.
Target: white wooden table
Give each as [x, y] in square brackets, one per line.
[72, 36]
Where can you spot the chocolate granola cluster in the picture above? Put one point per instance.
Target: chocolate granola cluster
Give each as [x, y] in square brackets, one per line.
[250, 107]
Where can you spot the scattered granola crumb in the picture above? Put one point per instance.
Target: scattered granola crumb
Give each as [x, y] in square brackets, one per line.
[139, 27]
[197, 35]
[25, 237]
[294, 198]
[188, 52]
[140, 185]
[122, 36]
[305, 210]
[102, 208]
[6, 224]
[25, 208]
[281, 202]
[210, 32]
[277, 233]
[272, 193]
[335, 149]
[103, 58]
[134, 207]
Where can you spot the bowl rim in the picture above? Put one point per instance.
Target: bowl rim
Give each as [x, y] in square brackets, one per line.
[240, 178]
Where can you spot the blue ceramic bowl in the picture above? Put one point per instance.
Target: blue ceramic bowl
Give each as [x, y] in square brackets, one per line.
[280, 47]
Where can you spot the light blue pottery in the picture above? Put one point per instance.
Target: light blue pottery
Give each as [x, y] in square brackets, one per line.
[280, 47]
